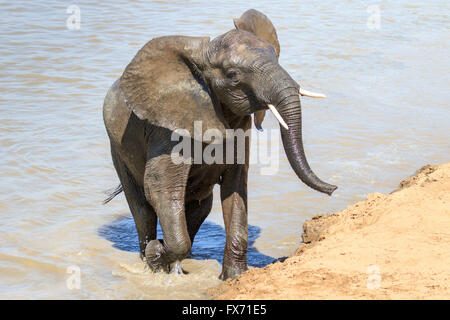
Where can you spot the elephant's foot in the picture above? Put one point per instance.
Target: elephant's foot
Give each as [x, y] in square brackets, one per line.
[154, 256]
[231, 272]
[176, 268]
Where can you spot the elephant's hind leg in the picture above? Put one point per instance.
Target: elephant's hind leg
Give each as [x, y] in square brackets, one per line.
[143, 213]
[196, 213]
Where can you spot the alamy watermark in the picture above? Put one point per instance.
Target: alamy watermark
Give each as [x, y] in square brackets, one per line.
[212, 147]
[373, 277]
[374, 20]
[73, 22]
[73, 282]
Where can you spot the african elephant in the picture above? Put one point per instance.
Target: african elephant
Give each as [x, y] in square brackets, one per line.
[173, 82]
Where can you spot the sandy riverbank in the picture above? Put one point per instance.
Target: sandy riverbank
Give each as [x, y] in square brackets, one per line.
[390, 246]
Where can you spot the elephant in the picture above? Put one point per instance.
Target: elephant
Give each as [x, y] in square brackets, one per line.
[172, 83]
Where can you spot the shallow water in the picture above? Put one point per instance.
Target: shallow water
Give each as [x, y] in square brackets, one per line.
[386, 114]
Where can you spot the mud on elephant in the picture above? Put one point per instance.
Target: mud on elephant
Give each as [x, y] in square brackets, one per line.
[173, 82]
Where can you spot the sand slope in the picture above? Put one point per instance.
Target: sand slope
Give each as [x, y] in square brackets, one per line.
[392, 246]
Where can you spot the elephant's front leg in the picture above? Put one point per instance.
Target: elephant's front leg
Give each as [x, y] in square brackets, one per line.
[196, 212]
[233, 193]
[165, 184]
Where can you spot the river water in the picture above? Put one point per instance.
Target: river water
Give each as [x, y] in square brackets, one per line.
[386, 114]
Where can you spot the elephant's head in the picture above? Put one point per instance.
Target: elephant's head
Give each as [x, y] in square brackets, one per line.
[243, 73]
[260, 25]
[174, 81]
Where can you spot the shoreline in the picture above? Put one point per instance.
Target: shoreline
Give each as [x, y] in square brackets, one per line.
[389, 246]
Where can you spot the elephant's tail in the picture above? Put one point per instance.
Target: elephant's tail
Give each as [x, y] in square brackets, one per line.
[112, 193]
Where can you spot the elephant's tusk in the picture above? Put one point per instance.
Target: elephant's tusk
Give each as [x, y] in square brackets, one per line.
[307, 93]
[278, 116]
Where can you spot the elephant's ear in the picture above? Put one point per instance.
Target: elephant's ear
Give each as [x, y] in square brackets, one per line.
[258, 118]
[260, 25]
[163, 86]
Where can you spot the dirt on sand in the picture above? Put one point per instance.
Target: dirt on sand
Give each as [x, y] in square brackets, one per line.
[389, 246]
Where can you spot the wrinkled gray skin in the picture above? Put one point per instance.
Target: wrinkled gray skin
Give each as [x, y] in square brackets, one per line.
[257, 23]
[172, 82]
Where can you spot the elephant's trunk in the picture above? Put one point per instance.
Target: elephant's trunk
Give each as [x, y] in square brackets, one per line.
[289, 107]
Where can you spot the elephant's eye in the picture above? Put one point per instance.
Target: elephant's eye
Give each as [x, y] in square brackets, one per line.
[233, 76]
